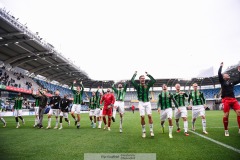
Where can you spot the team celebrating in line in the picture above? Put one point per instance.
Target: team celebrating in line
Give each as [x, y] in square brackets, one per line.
[106, 104]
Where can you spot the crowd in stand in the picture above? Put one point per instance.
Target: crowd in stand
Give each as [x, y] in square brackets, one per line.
[4, 77]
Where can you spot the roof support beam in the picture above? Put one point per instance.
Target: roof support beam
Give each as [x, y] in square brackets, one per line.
[11, 34]
[39, 69]
[58, 74]
[13, 41]
[25, 60]
[15, 58]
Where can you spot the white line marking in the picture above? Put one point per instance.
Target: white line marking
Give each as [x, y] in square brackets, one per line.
[217, 142]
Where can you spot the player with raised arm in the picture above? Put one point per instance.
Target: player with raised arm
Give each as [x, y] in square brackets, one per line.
[164, 104]
[119, 103]
[77, 100]
[181, 111]
[144, 104]
[54, 103]
[198, 106]
[108, 100]
[42, 99]
[228, 97]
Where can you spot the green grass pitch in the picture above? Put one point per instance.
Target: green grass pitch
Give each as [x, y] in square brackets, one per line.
[71, 143]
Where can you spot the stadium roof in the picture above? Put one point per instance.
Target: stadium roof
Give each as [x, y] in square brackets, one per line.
[19, 47]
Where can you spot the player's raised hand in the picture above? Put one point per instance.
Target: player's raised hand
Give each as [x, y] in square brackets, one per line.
[135, 72]
[221, 64]
[146, 73]
[81, 82]
[74, 81]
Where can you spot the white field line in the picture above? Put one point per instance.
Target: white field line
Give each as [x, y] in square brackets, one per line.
[217, 142]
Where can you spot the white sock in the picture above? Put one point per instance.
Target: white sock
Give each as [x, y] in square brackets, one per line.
[3, 120]
[99, 123]
[143, 128]
[114, 112]
[78, 123]
[17, 123]
[177, 123]
[121, 120]
[49, 121]
[170, 129]
[61, 125]
[36, 120]
[204, 124]
[185, 125]
[151, 127]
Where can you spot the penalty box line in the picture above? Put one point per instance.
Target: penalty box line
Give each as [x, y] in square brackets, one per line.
[217, 142]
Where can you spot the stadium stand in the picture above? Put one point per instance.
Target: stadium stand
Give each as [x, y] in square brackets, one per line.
[52, 87]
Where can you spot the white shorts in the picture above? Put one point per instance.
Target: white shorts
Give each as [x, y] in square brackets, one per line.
[76, 108]
[91, 112]
[17, 112]
[36, 109]
[64, 114]
[120, 106]
[1, 114]
[144, 107]
[54, 111]
[181, 113]
[167, 113]
[198, 110]
[98, 112]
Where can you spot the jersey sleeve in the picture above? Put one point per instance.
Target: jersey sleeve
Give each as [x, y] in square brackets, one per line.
[114, 88]
[174, 101]
[135, 85]
[189, 98]
[73, 91]
[125, 87]
[82, 88]
[203, 99]
[220, 76]
[159, 100]
[152, 81]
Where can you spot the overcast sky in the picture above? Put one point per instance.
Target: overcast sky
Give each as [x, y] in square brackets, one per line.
[112, 39]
